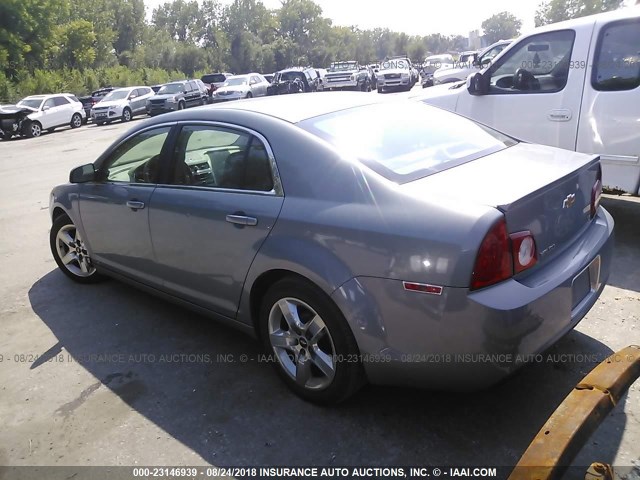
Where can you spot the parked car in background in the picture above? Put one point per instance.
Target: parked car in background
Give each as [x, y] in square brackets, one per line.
[177, 96]
[322, 80]
[294, 80]
[13, 121]
[350, 256]
[90, 100]
[215, 81]
[396, 73]
[121, 104]
[431, 64]
[48, 112]
[574, 85]
[347, 75]
[457, 72]
[241, 86]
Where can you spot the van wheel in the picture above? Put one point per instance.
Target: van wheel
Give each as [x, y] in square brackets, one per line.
[310, 341]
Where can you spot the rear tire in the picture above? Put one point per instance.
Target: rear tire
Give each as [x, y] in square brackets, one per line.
[308, 345]
[69, 252]
[76, 121]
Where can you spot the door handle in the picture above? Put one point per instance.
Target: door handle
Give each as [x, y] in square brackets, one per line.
[242, 220]
[135, 204]
[559, 115]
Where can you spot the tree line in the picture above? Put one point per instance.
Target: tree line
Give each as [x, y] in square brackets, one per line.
[79, 45]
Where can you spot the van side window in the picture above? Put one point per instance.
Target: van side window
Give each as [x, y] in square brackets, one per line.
[538, 64]
[617, 59]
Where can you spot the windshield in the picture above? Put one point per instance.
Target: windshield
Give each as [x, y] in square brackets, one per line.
[170, 88]
[401, 63]
[31, 102]
[214, 78]
[116, 95]
[288, 76]
[234, 81]
[342, 66]
[421, 140]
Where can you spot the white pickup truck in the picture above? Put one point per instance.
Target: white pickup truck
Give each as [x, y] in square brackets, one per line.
[574, 85]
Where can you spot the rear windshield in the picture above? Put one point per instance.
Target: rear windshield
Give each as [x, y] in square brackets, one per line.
[406, 140]
[213, 78]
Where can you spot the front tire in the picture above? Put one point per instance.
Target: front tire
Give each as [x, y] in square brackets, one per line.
[126, 115]
[33, 129]
[313, 347]
[70, 253]
[249, 95]
[76, 121]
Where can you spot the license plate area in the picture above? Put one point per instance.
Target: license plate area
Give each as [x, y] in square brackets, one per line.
[586, 282]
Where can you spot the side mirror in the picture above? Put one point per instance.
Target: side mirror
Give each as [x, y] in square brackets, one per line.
[45, 108]
[132, 96]
[85, 173]
[477, 84]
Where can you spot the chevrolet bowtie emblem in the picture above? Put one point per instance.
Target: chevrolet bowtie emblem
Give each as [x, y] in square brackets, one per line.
[569, 201]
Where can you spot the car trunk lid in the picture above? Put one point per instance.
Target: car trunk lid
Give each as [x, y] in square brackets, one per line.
[544, 190]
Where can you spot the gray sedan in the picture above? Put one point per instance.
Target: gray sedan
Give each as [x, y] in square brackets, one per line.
[359, 239]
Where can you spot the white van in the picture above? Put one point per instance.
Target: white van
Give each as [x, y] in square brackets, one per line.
[574, 85]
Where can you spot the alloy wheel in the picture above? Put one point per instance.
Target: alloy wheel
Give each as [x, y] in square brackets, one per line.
[72, 251]
[302, 343]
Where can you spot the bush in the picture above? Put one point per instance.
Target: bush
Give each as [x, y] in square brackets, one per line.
[80, 82]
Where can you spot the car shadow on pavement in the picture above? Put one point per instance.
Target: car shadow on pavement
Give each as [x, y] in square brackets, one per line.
[626, 214]
[204, 385]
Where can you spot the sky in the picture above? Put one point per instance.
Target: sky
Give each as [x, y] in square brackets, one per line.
[414, 17]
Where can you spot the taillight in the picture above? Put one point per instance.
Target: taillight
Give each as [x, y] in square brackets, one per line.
[494, 262]
[523, 248]
[501, 255]
[596, 193]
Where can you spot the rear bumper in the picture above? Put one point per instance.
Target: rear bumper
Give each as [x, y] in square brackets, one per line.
[464, 340]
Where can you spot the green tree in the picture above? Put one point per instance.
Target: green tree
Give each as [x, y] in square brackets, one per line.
[73, 45]
[552, 11]
[501, 26]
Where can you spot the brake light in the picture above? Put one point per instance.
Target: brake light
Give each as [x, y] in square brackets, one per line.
[596, 193]
[523, 248]
[494, 262]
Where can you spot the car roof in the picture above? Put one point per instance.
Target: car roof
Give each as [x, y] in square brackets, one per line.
[296, 108]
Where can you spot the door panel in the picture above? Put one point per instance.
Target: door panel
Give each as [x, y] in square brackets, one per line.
[118, 235]
[543, 105]
[202, 256]
[208, 225]
[115, 209]
[610, 117]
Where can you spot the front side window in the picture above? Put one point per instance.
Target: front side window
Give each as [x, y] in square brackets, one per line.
[617, 60]
[421, 140]
[49, 103]
[540, 63]
[137, 160]
[218, 157]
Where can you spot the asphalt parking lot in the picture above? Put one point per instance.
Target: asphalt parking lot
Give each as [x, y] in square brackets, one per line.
[107, 375]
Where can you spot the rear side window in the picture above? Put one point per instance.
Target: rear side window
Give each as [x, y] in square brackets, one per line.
[59, 101]
[617, 60]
